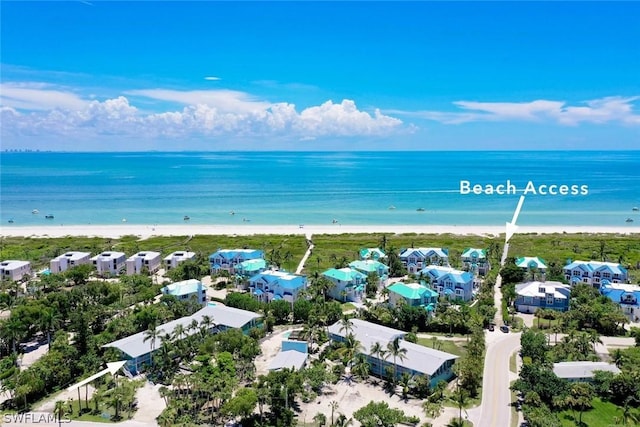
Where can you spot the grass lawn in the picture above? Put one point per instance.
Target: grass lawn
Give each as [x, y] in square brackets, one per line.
[448, 346]
[512, 363]
[347, 306]
[514, 409]
[603, 414]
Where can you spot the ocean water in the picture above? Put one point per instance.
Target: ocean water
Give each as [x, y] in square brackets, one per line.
[352, 188]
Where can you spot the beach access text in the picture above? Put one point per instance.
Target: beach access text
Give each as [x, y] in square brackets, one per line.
[530, 189]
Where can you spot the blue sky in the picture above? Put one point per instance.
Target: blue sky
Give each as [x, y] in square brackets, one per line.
[94, 75]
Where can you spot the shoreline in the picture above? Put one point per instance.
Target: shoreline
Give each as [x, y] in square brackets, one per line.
[146, 231]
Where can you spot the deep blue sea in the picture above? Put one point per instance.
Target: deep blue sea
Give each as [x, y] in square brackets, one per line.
[315, 188]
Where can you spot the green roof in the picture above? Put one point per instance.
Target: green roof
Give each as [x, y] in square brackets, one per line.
[480, 253]
[411, 291]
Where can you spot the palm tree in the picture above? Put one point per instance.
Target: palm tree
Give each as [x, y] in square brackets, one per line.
[394, 350]
[379, 353]
[178, 332]
[346, 325]
[60, 411]
[320, 418]
[49, 321]
[152, 334]
[333, 405]
[342, 421]
[350, 347]
[361, 367]
[406, 382]
[207, 324]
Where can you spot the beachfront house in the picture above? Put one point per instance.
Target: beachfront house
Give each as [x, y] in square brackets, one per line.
[582, 371]
[595, 273]
[143, 261]
[187, 290]
[14, 270]
[535, 267]
[370, 266]
[348, 284]
[375, 254]
[532, 296]
[417, 360]
[274, 285]
[137, 349]
[69, 260]
[449, 282]
[228, 259]
[626, 296]
[174, 259]
[109, 263]
[475, 261]
[413, 294]
[415, 259]
[247, 269]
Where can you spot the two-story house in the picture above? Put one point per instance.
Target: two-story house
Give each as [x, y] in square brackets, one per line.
[369, 266]
[449, 282]
[475, 261]
[348, 284]
[626, 296]
[415, 259]
[13, 270]
[535, 267]
[375, 254]
[531, 296]
[174, 259]
[69, 260]
[273, 285]
[187, 290]
[413, 294]
[595, 273]
[109, 263]
[228, 259]
[143, 261]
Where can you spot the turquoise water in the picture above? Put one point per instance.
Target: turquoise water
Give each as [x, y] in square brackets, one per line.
[314, 188]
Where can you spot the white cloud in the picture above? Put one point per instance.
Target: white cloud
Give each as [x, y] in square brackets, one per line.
[212, 78]
[598, 111]
[203, 113]
[38, 96]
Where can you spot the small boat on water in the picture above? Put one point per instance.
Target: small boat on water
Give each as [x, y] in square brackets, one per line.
[392, 207]
[35, 211]
[420, 209]
[124, 219]
[11, 221]
[48, 216]
[629, 220]
[635, 209]
[186, 218]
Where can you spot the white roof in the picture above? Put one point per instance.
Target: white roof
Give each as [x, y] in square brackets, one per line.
[135, 345]
[149, 255]
[418, 358]
[180, 255]
[108, 255]
[11, 264]
[532, 289]
[72, 255]
[289, 359]
[569, 370]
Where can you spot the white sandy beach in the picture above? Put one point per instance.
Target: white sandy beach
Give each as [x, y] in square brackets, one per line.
[146, 231]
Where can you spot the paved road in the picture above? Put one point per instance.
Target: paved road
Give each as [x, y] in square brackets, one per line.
[495, 409]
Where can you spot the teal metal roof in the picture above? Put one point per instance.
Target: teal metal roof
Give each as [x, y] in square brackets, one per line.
[411, 290]
[344, 274]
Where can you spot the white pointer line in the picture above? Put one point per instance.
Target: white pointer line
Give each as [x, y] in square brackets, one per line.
[517, 212]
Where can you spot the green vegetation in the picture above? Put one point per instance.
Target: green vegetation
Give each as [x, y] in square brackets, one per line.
[456, 347]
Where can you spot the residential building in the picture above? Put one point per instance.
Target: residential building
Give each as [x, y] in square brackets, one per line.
[143, 261]
[415, 259]
[109, 263]
[582, 371]
[375, 254]
[186, 290]
[626, 296]
[68, 260]
[228, 259]
[293, 355]
[418, 359]
[349, 284]
[247, 269]
[449, 282]
[273, 285]
[413, 294]
[532, 296]
[369, 266]
[595, 273]
[535, 267]
[475, 261]
[137, 349]
[174, 259]
[13, 270]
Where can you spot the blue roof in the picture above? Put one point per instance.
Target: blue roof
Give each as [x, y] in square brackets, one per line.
[258, 292]
[185, 287]
[277, 297]
[281, 278]
[448, 291]
[233, 253]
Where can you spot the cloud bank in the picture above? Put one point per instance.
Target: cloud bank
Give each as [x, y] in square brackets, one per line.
[36, 109]
[598, 111]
